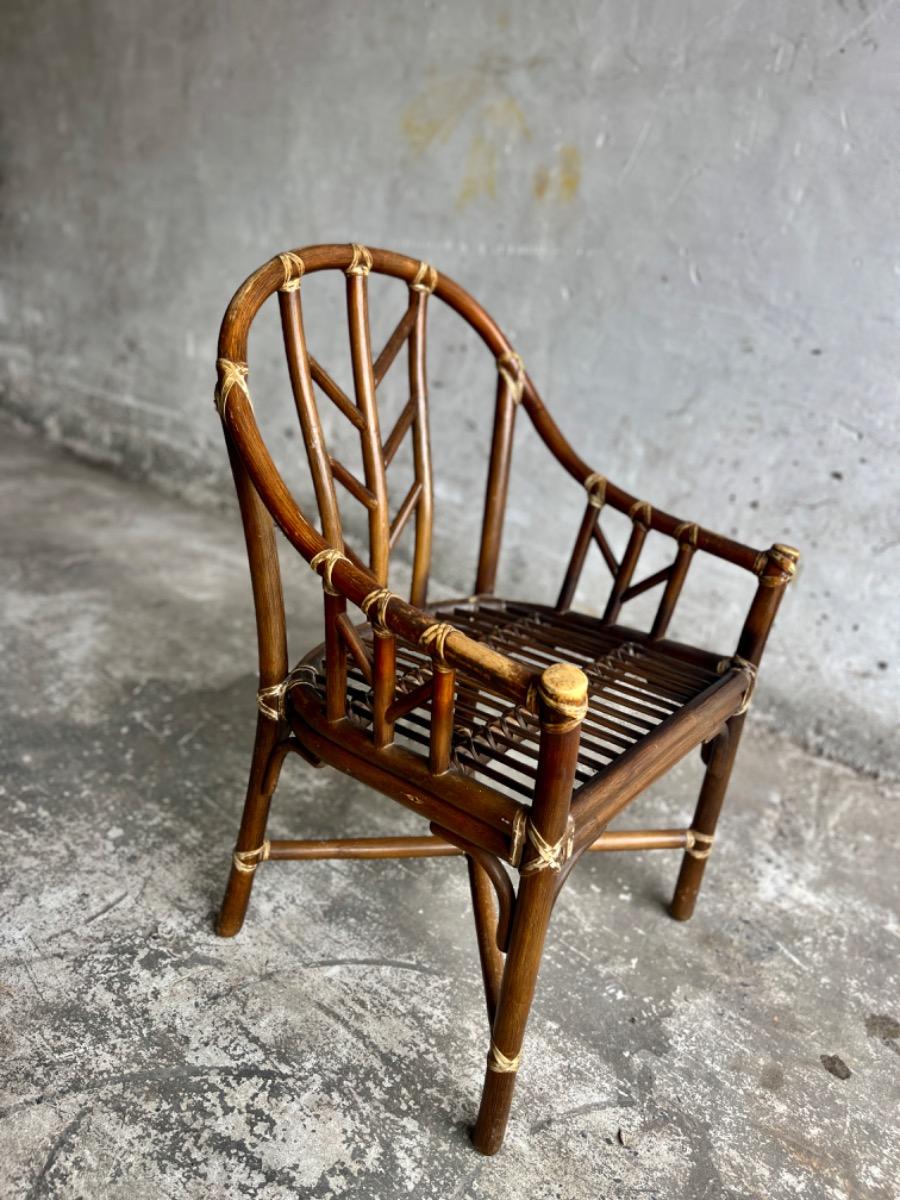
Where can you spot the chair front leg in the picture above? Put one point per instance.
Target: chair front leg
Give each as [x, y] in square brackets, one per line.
[251, 836]
[533, 908]
[562, 695]
[719, 761]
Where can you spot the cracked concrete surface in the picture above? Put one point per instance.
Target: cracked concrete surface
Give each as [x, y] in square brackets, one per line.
[336, 1047]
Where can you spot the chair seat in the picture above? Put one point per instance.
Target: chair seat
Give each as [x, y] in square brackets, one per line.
[636, 686]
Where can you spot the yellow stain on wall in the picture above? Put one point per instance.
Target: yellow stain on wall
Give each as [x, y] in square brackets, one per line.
[435, 113]
[569, 173]
[447, 106]
[561, 182]
[506, 119]
[481, 172]
[503, 125]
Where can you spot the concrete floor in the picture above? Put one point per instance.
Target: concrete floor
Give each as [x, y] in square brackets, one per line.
[336, 1048]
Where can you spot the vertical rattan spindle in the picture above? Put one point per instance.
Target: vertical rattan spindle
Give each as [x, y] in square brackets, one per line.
[640, 518]
[576, 562]
[443, 688]
[510, 381]
[383, 685]
[418, 389]
[335, 657]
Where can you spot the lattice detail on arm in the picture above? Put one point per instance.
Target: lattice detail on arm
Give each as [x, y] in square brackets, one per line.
[231, 375]
[512, 369]
[330, 558]
[293, 267]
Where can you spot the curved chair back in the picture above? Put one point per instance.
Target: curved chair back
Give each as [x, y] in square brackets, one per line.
[310, 380]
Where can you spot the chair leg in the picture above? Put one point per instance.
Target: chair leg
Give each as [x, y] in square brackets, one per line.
[486, 918]
[719, 761]
[261, 785]
[537, 894]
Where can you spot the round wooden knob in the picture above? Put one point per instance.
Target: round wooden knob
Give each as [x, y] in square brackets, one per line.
[565, 688]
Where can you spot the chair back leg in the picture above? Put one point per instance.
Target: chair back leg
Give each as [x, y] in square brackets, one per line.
[720, 759]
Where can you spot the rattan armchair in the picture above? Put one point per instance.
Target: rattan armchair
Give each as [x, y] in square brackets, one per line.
[518, 730]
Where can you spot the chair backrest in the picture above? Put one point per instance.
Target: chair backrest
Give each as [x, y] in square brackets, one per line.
[310, 380]
[264, 495]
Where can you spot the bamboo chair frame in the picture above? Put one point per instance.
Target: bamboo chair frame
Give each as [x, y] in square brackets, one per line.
[477, 685]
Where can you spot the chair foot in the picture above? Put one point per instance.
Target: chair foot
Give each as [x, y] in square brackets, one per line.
[489, 1130]
[686, 889]
[230, 920]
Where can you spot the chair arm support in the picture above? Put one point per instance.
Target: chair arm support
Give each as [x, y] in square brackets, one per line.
[737, 553]
[610, 493]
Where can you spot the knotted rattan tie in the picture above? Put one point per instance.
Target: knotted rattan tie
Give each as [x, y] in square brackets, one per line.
[687, 533]
[705, 839]
[641, 513]
[231, 375]
[512, 369]
[595, 485]
[750, 670]
[380, 597]
[246, 861]
[277, 692]
[437, 634]
[271, 700]
[550, 856]
[785, 558]
[293, 267]
[361, 262]
[497, 1060]
[330, 558]
[425, 279]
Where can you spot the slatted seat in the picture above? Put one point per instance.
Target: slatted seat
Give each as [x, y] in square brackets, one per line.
[634, 687]
[518, 730]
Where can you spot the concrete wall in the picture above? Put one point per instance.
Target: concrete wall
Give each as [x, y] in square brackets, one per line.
[684, 215]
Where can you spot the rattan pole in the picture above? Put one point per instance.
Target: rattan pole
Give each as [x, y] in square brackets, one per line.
[562, 700]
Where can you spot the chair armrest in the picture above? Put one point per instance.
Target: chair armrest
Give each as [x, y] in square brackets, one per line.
[487, 666]
[442, 641]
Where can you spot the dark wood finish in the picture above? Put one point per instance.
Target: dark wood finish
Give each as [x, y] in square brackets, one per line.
[518, 730]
